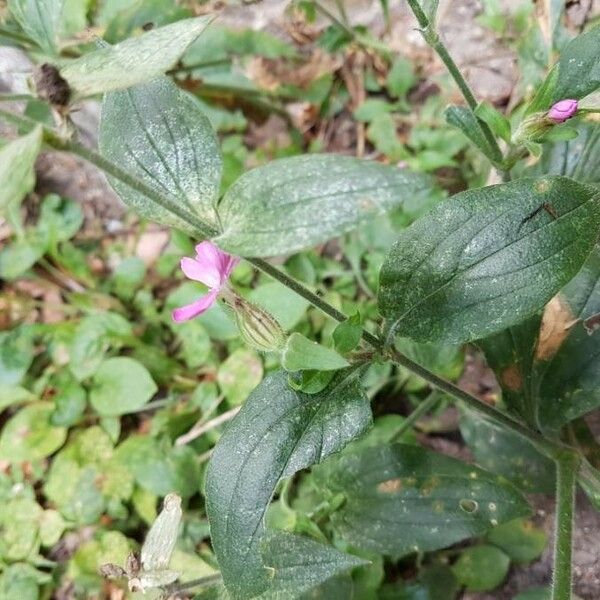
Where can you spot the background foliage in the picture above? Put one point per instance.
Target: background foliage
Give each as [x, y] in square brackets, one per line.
[108, 405]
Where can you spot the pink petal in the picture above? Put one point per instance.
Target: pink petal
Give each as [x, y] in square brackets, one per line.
[189, 311]
[563, 110]
[206, 273]
[232, 262]
[207, 253]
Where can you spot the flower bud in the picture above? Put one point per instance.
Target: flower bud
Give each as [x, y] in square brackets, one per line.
[258, 328]
[563, 110]
[532, 128]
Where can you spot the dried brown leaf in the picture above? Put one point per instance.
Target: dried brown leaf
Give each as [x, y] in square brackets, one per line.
[557, 321]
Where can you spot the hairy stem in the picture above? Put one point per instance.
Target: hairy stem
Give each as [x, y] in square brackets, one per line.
[433, 39]
[52, 139]
[567, 465]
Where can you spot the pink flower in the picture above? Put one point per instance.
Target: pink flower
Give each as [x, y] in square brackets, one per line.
[563, 110]
[211, 267]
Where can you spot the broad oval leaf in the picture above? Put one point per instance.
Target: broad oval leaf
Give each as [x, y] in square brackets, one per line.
[488, 258]
[578, 158]
[302, 354]
[579, 67]
[568, 381]
[159, 134]
[39, 19]
[506, 453]
[121, 385]
[298, 564]
[481, 568]
[294, 203]
[277, 432]
[29, 435]
[401, 499]
[548, 365]
[17, 176]
[133, 61]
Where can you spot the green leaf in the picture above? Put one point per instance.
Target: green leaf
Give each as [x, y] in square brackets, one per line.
[488, 258]
[481, 568]
[520, 539]
[383, 135]
[294, 203]
[14, 583]
[401, 77]
[578, 67]
[401, 499]
[463, 118]
[430, 7]
[39, 19]
[121, 385]
[497, 122]
[568, 381]
[298, 564]
[60, 219]
[542, 100]
[159, 468]
[87, 349]
[239, 374]
[510, 354]
[371, 109]
[508, 454]
[277, 432]
[158, 133]
[195, 343]
[16, 354]
[19, 522]
[128, 276]
[547, 366]
[13, 394]
[52, 526]
[346, 336]
[70, 400]
[302, 354]
[591, 102]
[578, 158]
[17, 177]
[29, 436]
[133, 61]
[19, 256]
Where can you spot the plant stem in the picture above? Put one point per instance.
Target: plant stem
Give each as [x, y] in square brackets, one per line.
[203, 426]
[424, 407]
[209, 580]
[52, 139]
[433, 39]
[567, 465]
[200, 65]
[15, 97]
[358, 37]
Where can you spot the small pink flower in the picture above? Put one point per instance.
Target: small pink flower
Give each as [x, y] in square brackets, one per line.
[211, 267]
[563, 110]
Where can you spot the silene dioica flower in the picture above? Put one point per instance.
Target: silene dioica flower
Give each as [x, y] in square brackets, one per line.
[212, 267]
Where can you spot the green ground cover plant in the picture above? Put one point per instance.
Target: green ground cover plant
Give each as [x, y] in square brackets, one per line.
[247, 376]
